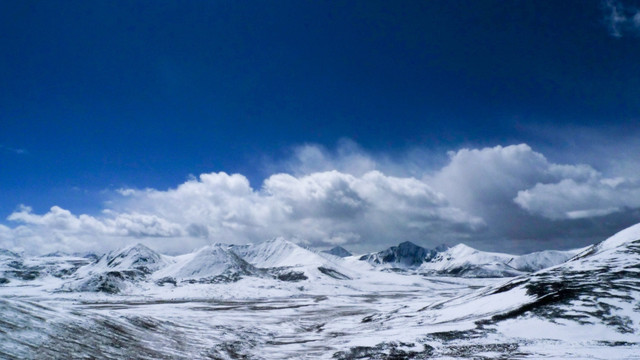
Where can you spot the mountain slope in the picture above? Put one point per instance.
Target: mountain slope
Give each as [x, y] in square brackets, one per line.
[135, 257]
[210, 264]
[117, 270]
[288, 260]
[599, 286]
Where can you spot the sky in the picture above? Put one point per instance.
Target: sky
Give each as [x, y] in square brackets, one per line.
[508, 126]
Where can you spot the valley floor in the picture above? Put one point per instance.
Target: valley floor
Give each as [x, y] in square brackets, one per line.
[257, 319]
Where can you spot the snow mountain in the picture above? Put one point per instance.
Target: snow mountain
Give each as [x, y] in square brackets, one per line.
[338, 251]
[16, 268]
[279, 300]
[117, 270]
[405, 255]
[465, 261]
[136, 257]
[289, 261]
[211, 264]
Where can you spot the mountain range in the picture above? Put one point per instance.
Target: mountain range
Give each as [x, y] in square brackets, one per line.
[275, 258]
[277, 300]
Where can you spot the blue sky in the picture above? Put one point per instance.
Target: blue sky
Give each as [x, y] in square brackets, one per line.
[100, 96]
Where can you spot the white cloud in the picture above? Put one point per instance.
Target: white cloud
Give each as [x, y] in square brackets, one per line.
[571, 199]
[487, 197]
[521, 195]
[621, 20]
[487, 180]
[348, 158]
[320, 208]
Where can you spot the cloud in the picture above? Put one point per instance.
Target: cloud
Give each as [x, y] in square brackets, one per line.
[508, 198]
[529, 202]
[319, 209]
[571, 199]
[487, 180]
[621, 20]
[350, 158]
[17, 151]
[347, 158]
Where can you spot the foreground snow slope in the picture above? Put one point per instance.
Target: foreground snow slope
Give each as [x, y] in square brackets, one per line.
[588, 306]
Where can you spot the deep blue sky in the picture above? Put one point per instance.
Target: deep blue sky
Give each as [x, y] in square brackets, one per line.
[99, 95]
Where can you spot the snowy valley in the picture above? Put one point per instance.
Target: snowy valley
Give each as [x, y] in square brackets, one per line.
[278, 300]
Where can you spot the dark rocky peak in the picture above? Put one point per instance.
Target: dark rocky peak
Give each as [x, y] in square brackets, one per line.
[405, 254]
[338, 251]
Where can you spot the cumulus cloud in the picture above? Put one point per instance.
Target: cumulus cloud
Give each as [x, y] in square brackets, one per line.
[484, 180]
[621, 20]
[323, 208]
[508, 198]
[571, 199]
[522, 196]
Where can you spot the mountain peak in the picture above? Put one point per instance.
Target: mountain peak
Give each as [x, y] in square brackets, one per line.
[8, 253]
[212, 260]
[406, 254]
[136, 256]
[276, 252]
[462, 249]
[338, 251]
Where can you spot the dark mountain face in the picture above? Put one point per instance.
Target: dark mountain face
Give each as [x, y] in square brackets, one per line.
[338, 251]
[406, 253]
[7, 253]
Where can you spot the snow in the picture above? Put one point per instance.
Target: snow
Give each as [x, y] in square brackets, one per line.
[279, 252]
[587, 307]
[463, 260]
[209, 261]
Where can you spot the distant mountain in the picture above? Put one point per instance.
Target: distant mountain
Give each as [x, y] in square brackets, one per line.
[117, 270]
[542, 259]
[15, 267]
[291, 261]
[135, 257]
[211, 264]
[4, 253]
[462, 260]
[405, 255]
[276, 258]
[465, 261]
[338, 251]
[276, 252]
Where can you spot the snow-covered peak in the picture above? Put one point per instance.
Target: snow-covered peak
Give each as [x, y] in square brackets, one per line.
[474, 262]
[542, 259]
[278, 252]
[212, 260]
[406, 254]
[461, 250]
[4, 253]
[463, 260]
[134, 257]
[338, 251]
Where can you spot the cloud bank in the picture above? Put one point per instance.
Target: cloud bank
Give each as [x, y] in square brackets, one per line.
[499, 198]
